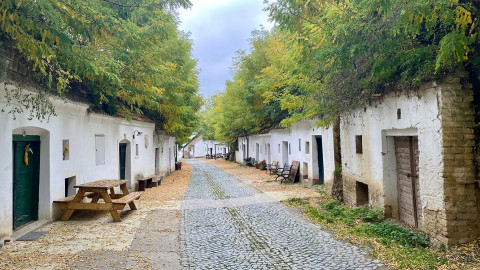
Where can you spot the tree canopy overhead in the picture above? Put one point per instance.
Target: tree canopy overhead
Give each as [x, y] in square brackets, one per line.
[327, 57]
[126, 56]
[364, 48]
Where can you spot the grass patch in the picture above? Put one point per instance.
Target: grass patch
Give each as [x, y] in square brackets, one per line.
[320, 189]
[399, 248]
[296, 202]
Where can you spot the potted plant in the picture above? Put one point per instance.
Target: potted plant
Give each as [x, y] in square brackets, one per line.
[248, 161]
[262, 165]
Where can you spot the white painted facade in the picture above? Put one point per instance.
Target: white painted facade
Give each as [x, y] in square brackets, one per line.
[199, 148]
[416, 114]
[297, 143]
[165, 151]
[83, 132]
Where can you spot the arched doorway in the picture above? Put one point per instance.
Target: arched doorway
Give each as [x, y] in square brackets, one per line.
[30, 175]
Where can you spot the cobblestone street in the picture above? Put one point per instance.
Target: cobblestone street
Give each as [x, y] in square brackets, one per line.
[229, 225]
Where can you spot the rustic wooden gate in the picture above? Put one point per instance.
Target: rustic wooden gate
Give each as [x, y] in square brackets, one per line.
[409, 206]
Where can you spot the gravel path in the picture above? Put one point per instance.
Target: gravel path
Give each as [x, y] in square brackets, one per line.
[228, 225]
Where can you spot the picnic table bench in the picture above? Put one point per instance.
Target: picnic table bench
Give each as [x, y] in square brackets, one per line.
[147, 182]
[99, 190]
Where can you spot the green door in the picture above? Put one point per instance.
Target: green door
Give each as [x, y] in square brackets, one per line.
[25, 179]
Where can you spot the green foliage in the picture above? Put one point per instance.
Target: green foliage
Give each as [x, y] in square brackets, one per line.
[127, 59]
[242, 108]
[388, 232]
[328, 57]
[363, 49]
[397, 246]
[337, 171]
[296, 201]
[335, 211]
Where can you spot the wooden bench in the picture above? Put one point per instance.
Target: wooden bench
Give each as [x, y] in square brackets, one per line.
[70, 198]
[157, 179]
[147, 182]
[283, 172]
[272, 167]
[119, 204]
[290, 174]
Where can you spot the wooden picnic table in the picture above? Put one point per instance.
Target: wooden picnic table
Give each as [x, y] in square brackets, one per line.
[99, 190]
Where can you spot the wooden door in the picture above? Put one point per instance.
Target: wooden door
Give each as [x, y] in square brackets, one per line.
[409, 206]
[25, 179]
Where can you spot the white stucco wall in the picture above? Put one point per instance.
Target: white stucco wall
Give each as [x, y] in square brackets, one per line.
[74, 124]
[378, 125]
[303, 132]
[202, 147]
[197, 149]
[165, 148]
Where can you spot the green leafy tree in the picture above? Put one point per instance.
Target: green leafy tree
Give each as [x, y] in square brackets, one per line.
[364, 49]
[126, 56]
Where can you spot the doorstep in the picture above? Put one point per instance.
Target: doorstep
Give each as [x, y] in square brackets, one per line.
[30, 227]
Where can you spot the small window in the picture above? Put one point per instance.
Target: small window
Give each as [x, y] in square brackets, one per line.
[289, 149]
[361, 194]
[358, 144]
[66, 149]
[399, 114]
[300, 145]
[307, 148]
[70, 182]
[136, 149]
[278, 148]
[99, 150]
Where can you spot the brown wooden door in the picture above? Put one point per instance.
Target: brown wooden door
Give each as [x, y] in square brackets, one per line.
[409, 206]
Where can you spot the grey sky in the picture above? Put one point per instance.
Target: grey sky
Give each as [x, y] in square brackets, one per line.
[219, 28]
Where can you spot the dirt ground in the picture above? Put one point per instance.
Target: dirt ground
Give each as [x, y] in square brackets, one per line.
[263, 181]
[92, 240]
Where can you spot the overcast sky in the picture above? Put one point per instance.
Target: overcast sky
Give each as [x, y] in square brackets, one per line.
[218, 29]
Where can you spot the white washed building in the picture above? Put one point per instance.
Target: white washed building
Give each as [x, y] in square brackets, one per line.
[303, 142]
[411, 154]
[198, 147]
[99, 147]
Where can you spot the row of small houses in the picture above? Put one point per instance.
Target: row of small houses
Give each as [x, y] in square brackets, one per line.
[43, 160]
[410, 154]
[200, 148]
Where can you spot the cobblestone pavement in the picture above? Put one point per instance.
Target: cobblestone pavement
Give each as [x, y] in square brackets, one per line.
[229, 225]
